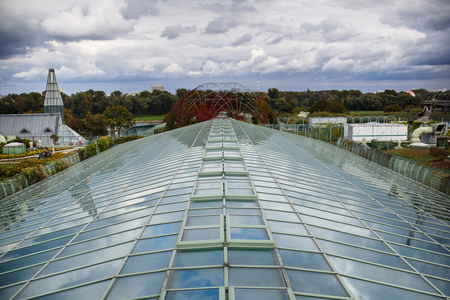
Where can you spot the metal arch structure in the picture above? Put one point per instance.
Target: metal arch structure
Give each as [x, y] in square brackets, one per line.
[211, 100]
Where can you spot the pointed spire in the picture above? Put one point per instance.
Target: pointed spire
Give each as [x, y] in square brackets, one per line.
[53, 102]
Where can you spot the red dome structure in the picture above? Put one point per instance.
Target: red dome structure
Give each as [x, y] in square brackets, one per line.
[211, 100]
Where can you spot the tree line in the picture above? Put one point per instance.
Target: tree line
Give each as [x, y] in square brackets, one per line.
[335, 100]
[92, 112]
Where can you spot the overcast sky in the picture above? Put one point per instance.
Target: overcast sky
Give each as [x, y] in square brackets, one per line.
[128, 45]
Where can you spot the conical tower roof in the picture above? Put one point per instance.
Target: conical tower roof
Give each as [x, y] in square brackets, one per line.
[53, 102]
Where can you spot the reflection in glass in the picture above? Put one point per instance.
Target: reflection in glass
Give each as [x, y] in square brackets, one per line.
[196, 278]
[203, 220]
[71, 278]
[316, 283]
[262, 257]
[137, 286]
[295, 242]
[212, 294]
[147, 262]
[264, 294]
[161, 229]
[198, 258]
[246, 220]
[369, 290]
[256, 277]
[379, 273]
[95, 291]
[305, 260]
[201, 234]
[153, 244]
[249, 233]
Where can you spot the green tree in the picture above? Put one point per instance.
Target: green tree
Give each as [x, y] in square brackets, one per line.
[95, 125]
[392, 108]
[273, 93]
[118, 119]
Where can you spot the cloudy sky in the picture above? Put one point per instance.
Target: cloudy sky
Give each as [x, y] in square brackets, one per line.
[128, 45]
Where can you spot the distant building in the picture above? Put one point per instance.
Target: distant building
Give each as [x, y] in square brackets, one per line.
[157, 87]
[40, 127]
[53, 102]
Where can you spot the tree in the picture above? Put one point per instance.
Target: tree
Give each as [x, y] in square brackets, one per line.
[95, 125]
[392, 108]
[273, 93]
[118, 119]
[74, 123]
[181, 92]
[329, 106]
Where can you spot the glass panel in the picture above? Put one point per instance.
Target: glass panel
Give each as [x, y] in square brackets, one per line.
[203, 220]
[137, 286]
[196, 278]
[209, 184]
[264, 294]
[212, 294]
[442, 285]
[92, 291]
[26, 261]
[368, 290]
[154, 244]
[147, 262]
[363, 254]
[233, 191]
[206, 203]
[243, 211]
[241, 203]
[316, 283]
[281, 216]
[161, 229]
[206, 192]
[198, 258]
[246, 220]
[168, 217]
[378, 273]
[284, 227]
[304, 260]
[249, 233]
[8, 292]
[71, 278]
[256, 277]
[87, 258]
[201, 212]
[201, 234]
[295, 242]
[260, 257]
[20, 275]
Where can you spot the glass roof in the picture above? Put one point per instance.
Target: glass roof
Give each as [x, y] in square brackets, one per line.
[225, 210]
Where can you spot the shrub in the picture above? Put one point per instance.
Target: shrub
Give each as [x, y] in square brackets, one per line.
[392, 108]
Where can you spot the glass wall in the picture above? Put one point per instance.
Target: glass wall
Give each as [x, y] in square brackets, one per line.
[225, 210]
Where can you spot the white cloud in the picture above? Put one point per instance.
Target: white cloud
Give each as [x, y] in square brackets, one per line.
[100, 20]
[31, 73]
[123, 40]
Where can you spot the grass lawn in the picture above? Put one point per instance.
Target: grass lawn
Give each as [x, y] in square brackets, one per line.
[149, 118]
[367, 113]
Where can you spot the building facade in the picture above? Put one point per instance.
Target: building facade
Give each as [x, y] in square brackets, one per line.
[225, 210]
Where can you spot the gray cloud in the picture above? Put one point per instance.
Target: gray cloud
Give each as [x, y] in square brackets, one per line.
[220, 25]
[17, 37]
[275, 40]
[172, 32]
[138, 8]
[146, 39]
[242, 40]
[331, 30]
